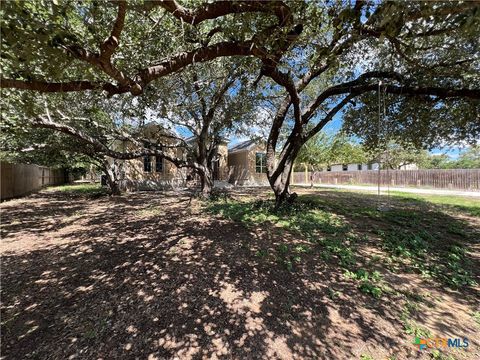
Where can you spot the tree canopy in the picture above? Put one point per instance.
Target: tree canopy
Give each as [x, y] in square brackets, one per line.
[324, 150]
[402, 71]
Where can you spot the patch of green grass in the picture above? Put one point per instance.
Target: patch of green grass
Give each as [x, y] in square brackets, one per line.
[438, 355]
[305, 218]
[286, 257]
[428, 256]
[333, 294]
[152, 210]
[341, 248]
[468, 205]
[369, 282]
[476, 317]
[366, 357]
[410, 326]
[262, 253]
[302, 249]
[90, 190]
[404, 218]
[416, 237]
[302, 217]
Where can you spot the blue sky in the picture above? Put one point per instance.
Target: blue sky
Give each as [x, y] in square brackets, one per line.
[335, 125]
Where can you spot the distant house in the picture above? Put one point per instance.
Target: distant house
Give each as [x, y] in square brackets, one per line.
[247, 163]
[408, 167]
[351, 167]
[363, 167]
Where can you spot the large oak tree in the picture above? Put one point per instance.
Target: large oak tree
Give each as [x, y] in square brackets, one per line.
[120, 48]
[422, 56]
[325, 57]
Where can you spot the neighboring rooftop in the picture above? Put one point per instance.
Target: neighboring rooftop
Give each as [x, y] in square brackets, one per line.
[244, 145]
[193, 137]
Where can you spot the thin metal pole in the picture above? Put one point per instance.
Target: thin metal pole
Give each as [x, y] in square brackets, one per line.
[378, 134]
[387, 139]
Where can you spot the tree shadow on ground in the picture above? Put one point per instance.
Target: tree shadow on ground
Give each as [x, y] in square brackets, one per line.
[147, 275]
[440, 244]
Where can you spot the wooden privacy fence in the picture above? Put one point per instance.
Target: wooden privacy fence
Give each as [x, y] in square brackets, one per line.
[458, 179]
[21, 179]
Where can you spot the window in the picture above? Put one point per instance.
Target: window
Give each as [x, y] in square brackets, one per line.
[369, 167]
[147, 164]
[359, 167]
[158, 164]
[344, 167]
[158, 160]
[260, 163]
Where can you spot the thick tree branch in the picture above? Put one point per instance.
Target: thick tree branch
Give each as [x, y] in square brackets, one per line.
[136, 84]
[103, 59]
[43, 86]
[111, 43]
[202, 54]
[344, 88]
[391, 89]
[217, 9]
[145, 76]
[102, 148]
[320, 125]
[440, 92]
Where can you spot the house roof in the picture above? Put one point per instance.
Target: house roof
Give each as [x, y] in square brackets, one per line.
[190, 139]
[243, 146]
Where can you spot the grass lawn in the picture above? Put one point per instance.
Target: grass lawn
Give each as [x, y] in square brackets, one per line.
[469, 205]
[159, 275]
[83, 189]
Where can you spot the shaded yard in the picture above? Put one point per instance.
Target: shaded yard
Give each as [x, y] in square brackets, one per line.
[155, 275]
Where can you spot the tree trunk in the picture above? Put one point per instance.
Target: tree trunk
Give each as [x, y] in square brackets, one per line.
[206, 180]
[111, 174]
[112, 182]
[281, 185]
[279, 173]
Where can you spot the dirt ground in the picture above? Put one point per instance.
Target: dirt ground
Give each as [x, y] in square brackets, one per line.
[152, 276]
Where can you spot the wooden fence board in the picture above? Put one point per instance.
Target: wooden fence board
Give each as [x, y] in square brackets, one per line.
[21, 179]
[458, 179]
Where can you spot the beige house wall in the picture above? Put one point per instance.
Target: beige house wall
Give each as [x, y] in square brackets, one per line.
[133, 176]
[223, 162]
[242, 169]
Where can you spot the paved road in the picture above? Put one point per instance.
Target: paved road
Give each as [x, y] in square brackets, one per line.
[406, 190]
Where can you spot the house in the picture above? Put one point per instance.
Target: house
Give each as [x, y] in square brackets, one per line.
[352, 167]
[408, 167]
[247, 163]
[149, 172]
[363, 167]
[154, 173]
[220, 166]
